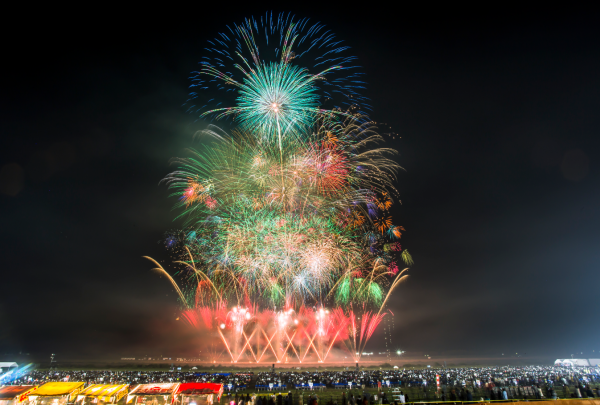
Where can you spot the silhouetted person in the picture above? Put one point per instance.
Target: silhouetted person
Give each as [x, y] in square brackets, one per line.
[589, 392]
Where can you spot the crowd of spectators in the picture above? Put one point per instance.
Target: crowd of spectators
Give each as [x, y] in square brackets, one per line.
[454, 377]
[454, 383]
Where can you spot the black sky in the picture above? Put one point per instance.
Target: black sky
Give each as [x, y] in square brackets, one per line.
[497, 110]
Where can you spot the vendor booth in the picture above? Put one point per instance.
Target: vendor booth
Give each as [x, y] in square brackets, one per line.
[153, 394]
[15, 394]
[100, 394]
[198, 393]
[55, 393]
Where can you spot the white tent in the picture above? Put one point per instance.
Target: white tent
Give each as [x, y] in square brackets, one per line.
[572, 362]
[7, 365]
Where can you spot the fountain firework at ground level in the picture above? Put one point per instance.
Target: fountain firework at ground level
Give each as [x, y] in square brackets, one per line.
[249, 334]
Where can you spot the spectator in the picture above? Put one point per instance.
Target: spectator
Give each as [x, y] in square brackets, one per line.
[589, 392]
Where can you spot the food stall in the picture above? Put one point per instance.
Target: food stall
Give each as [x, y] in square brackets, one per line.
[153, 394]
[100, 394]
[15, 394]
[198, 393]
[55, 393]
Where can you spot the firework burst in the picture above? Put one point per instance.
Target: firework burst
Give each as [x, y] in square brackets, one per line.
[300, 67]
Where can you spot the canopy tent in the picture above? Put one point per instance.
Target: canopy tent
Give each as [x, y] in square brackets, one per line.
[15, 394]
[572, 362]
[99, 394]
[56, 393]
[198, 393]
[155, 394]
[7, 366]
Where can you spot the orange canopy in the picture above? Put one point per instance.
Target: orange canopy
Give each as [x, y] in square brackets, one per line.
[18, 392]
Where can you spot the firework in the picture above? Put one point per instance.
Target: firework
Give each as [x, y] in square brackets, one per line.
[286, 335]
[292, 209]
[293, 239]
[300, 67]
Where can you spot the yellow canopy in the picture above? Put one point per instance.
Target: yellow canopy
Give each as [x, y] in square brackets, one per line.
[105, 390]
[55, 389]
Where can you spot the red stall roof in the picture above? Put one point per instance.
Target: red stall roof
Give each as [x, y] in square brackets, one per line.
[200, 389]
[12, 391]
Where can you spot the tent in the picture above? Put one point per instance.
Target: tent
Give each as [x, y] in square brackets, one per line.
[572, 362]
[56, 393]
[199, 393]
[153, 394]
[15, 394]
[6, 368]
[100, 394]
[7, 365]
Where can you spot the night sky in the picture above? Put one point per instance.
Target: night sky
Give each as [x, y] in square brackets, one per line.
[496, 113]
